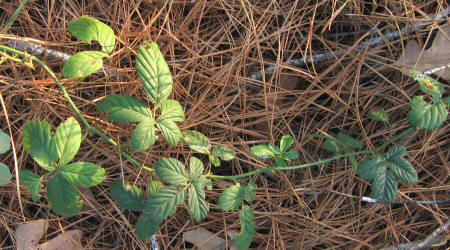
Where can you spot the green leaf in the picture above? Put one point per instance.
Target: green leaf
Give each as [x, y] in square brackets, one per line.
[154, 72]
[146, 226]
[291, 155]
[403, 170]
[5, 175]
[68, 140]
[280, 162]
[332, 145]
[262, 151]
[163, 203]
[248, 192]
[396, 151]
[83, 174]
[349, 141]
[83, 64]
[124, 109]
[171, 109]
[426, 116]
[214, 160]
[353, 162]
[128, 196]
[447, 100]
[378, 114]
[63, 197]
[203, 181]
[384, 187]
[172, 171]
[196, 201]
[429, 85]
[169, 130]
[371, 167]
[195, 167]
[37, 141]
[33, 183]
[231, 198]
[196, 141]
[87, 29]
[285, 142]
[244, 239]
[143, 136]
[223, 152]
[154, 186]
[4, 142]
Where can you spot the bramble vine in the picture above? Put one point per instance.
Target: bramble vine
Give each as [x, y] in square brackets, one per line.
[176, 184]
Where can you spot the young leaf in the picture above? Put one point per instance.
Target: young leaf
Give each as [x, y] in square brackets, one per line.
[163, 203]
[154, 72]
[154, 186]
[214, 160]
[349, 141]
[244, 239]
[196, 141]
[63, 198]
[196, 201]
[280, 162]
[5, 175]
[371, 167]
[68, 140]
[426, 116]
[378, 114]
[37, 141]
[146, 226]
[143, 136]
[128, 196]
[32, 181]
[384, 187]
[429, 85]
[291, 155]
[172, 171]
[87, 29]
[83, 174]
[171, 109]
[124, 109]
[83, 64]
[332, 145]
[248, 192]
[231, 198]
[223, 152]
[285, 142]
[195, 167]
[396, 151]
[4, 142]
[262, 151]
[169, 130]
[403, 170]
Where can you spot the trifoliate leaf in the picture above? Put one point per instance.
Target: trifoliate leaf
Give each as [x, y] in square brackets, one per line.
[196, 201]
[128, 196]
[244, 239]
[196, 141]
[87, 29]
[83, 64]
[172, 171]
[262, 151]
[426, 116]
[248, 192]
[223, 152]
[33, 183]
[154, 186]
[349, 142]
[4, 142]
[83, 174]
[231, 198]
[124, 109]
[5, 175]
[396, 151]
[63, 197]
[171, 109]
[169, 130]
[403, 170]
[285, 142]
[384, 187]
[378, 114]
[143, 136]
[371, 167]
[68, 140]
[154, 72]
[195, 167]
[37, 141]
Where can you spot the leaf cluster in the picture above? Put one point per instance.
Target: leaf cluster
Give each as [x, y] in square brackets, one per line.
[279, 154]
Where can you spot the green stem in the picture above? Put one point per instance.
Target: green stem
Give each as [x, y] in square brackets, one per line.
[73, 106]
[275, 168]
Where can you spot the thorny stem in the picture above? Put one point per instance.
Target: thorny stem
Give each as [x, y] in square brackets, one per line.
[73, 106]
